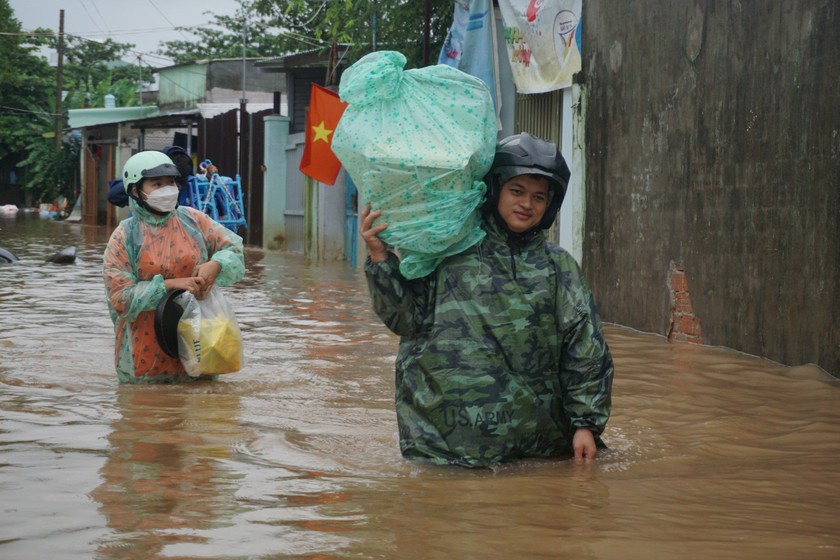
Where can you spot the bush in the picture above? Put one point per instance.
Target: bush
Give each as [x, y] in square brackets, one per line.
[50, 173]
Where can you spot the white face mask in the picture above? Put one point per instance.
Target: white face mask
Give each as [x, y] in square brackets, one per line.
[163, 199]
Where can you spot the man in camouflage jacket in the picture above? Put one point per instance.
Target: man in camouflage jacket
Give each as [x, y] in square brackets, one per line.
[502, 355]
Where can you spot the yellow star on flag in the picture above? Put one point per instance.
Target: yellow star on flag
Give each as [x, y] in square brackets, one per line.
[322, 133]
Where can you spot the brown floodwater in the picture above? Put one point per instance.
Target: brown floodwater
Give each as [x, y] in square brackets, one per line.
[714, 453]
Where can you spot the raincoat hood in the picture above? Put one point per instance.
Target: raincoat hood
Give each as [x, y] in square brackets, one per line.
[145, 216]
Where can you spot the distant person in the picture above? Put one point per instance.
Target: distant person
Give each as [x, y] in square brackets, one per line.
[182, 160]
[501, 355]
[161, 247]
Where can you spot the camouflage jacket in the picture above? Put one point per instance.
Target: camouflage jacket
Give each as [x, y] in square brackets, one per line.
[501, 355]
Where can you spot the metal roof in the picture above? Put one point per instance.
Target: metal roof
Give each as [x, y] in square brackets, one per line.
[82, 118]
[151, 117]
[314, 57]
[210, 110]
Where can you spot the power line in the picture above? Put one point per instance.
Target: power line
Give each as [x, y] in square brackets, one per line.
[168, 21]
[14, 110]
[90, 17]
[133, 52]
[311, 41]
[91, 33]
[95, 7]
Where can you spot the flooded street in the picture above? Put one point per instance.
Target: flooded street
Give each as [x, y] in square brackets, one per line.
[714, 454]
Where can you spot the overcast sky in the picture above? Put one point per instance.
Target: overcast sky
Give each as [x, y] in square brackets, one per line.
[145, 23]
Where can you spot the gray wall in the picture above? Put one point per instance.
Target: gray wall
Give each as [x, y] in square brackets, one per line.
[330, 201]
[295, 231]
[713, 143]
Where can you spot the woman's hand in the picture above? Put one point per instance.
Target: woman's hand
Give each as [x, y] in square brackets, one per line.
[207, 272]
[370, 233]
[192, 284]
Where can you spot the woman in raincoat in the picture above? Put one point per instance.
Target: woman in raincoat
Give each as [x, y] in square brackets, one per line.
[161, 247]
[502, 355]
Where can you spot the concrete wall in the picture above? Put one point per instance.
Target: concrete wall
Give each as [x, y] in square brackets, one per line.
[318, 230]
[712, 138]
[332, 216]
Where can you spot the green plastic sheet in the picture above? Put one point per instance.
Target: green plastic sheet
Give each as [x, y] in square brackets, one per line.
[417, 144]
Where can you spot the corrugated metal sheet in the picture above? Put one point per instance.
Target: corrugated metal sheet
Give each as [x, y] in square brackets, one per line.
[182, 86]
[295, 231]
[540, 114]
[81, 118]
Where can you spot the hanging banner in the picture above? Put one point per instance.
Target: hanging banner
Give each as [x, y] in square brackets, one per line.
[543, 42]
[469, 44]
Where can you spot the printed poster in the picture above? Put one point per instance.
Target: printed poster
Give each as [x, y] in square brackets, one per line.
[543, 42]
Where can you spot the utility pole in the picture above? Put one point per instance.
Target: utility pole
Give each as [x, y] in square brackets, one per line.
[244, 129]
[244, 154]
[140, 78]
[373, 26]
[244, 56]
[58, 82]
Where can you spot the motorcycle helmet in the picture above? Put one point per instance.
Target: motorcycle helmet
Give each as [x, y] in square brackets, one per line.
[524, 154]
[147, 164]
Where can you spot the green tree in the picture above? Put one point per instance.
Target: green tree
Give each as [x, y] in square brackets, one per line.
[51, 173]
[222, 37]
[28, 106]
[279, 27]
[93, 69]
[368, 25]
[26, 82]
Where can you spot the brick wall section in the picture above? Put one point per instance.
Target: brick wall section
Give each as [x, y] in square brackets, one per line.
[685, 326]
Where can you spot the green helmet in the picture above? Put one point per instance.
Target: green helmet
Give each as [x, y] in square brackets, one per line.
[147, 164]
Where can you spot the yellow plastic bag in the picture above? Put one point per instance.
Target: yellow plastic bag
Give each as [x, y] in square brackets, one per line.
[209, 340]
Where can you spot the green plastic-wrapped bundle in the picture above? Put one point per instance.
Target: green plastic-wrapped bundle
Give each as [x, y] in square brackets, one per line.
[417, 144]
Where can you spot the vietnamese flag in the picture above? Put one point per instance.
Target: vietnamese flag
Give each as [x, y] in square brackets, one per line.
[318, 160]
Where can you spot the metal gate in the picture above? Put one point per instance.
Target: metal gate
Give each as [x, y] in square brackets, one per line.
[541, 115]
[237, 145]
